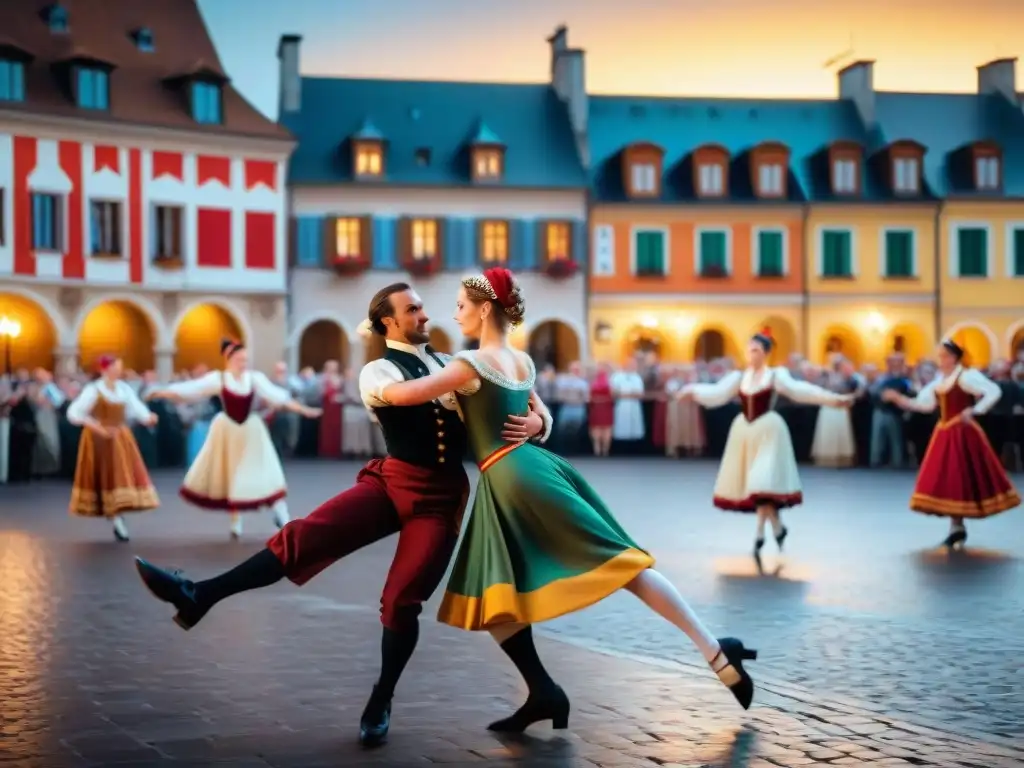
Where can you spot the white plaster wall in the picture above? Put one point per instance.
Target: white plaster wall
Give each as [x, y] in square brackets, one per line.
[105, 184]
[49, 177]
[7, 213]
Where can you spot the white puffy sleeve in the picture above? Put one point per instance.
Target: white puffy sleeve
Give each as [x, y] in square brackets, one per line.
[719, 393]
[268, 390]
[197, 389]
[81, 407]
[924, 401]
[133, 406]
[982, 387]
[375, 377]
[802, 391]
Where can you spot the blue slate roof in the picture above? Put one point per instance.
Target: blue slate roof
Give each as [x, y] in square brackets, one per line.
[441, 117]
[681, 125]
[947, 123]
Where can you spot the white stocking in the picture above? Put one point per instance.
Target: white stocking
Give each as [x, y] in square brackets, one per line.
[664, 599]
[763, 514]
[280, 510]
[236, 523]
[776, 519]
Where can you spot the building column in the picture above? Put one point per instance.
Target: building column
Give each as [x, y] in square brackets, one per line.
[65, 360]
[164, 364]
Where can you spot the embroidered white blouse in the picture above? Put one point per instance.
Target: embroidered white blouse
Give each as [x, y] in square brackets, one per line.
[81, 407]
[971, 381]
[749, 382]
[210, 385]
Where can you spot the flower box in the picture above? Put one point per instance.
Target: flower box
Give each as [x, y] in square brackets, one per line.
[170, 263]
[421, 267]
[561, 268]
[713, 271]
[351, 265]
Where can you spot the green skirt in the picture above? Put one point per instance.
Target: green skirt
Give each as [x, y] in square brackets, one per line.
[540, 544]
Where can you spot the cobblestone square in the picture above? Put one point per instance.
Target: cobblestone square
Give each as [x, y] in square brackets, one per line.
[875, 648]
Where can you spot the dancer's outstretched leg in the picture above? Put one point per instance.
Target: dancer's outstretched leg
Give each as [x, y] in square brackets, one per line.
[545, 700]
[957, 533]
[725, 655]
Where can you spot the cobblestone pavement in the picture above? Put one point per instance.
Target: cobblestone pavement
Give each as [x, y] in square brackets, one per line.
[874, 649]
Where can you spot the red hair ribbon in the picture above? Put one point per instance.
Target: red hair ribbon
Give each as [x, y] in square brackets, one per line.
[502, 282]
[766, 331]
[105, 362]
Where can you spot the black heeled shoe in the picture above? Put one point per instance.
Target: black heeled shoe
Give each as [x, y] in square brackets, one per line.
[173, 588]
[733, 675]
[956, 539]
[781, 537]
[551, 705]
[375, 721]
[758, 546]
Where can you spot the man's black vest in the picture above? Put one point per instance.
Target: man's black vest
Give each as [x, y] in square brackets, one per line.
[426, 435]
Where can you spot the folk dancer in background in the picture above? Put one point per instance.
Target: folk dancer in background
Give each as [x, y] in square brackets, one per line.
[237, 469]
[110, 476]
[960, 475]
[758, 472]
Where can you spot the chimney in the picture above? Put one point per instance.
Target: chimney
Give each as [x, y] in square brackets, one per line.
[568, 79]
[857, 84]
[999, 77]
[290, 85]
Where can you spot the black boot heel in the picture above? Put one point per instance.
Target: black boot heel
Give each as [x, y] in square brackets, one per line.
[733, 675]
[955, 540]
[553, 706]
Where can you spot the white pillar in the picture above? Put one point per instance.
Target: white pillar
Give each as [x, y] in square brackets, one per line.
[164, 364]
[65, 360]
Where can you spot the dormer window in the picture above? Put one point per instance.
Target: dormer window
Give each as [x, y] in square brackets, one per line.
[906, 160]
[12, 75]
[770, 163]
[369, 158]
[987, 162]
[56, 17]
[92, 87]
[207, 102]
[641, 170]
[844, 162]
[711, 171]
[488, 163]
[769, 180]
[143, 38]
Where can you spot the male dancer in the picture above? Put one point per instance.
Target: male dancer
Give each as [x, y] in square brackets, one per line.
[418, 491]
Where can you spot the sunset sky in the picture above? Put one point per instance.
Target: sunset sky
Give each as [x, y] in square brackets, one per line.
[684, 47]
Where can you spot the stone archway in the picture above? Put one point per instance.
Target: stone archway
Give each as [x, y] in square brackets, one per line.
[323, 340]
[553, 342]
[713, 343]
[908, 340]
[978, 341]
[1015, 340]
[440, 341]
[784, 336]
[643, 339]
[198, 336]
[28, 333]
[842, 340]
[117, 327]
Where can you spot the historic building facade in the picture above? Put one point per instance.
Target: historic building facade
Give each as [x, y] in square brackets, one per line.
[424, 182]
[142, 199]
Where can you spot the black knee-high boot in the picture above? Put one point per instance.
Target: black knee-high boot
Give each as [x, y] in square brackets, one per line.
[396, 649]
[546, 700]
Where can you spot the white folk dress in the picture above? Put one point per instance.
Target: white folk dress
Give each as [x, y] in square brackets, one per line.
[758, 466]
[834, 444]
[628, 423]
[237, 469]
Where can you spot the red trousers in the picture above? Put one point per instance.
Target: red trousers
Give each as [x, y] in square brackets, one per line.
[423, 506]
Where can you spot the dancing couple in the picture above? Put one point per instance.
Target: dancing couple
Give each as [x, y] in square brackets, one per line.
[540, 542]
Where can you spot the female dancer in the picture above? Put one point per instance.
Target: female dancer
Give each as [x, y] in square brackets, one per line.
[834, 444]
[960, 474]
[540, 542]
[110, 476]
[758, 472]
[237, 469]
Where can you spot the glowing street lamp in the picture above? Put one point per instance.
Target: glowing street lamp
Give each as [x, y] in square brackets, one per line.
[10, 329]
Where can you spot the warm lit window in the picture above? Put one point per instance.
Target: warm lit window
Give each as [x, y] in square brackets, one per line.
[369, 160]
[907, 175]
[844, 177]
[769, 179]
[986, 171]
[487, 164]
[644, 179]
[712, 179]
[105, 228]
[494, 242]
[347, 239]
[558, 242]
[424, 238]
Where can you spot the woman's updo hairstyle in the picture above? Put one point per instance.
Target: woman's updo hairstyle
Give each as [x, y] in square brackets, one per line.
[498, 287]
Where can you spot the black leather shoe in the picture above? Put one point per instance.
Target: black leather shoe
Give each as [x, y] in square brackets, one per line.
[550, 705]
[780, 538]
[956, 539]
[376, 721]
[733, 675]
[173, 588]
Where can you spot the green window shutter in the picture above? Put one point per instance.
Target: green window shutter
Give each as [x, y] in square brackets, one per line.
[1018, 253]
[650, 253]
[836, 254]
[769, 253]
[899, 254]
[973, 246]
[712, 252]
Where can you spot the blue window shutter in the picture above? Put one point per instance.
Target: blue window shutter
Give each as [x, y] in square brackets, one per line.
[310, 241]
[517, 245]
[470, 248]
[102, 90]
[579, 243]
[454, 244]
[385, 255]
[529, 248]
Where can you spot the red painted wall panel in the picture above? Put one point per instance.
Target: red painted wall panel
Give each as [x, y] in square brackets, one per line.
[214, 235]
[69, 155]
[24, 164]
[259, 240]
[136, 207]
[106, 157]
[168, 164]
[260, 172]
[213, 169]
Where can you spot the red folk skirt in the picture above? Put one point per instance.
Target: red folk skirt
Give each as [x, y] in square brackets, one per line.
[961, 475]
